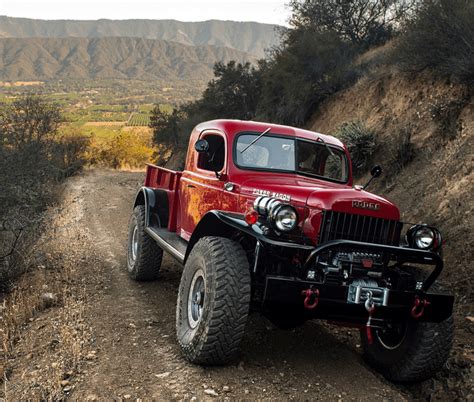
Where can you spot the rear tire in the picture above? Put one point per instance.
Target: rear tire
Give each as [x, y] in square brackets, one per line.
[213, 301]
[144, 256]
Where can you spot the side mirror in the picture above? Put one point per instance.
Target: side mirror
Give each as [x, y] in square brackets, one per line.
[201, 146]
[376, 171]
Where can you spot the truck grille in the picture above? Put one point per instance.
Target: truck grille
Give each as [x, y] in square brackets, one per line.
[339, 225]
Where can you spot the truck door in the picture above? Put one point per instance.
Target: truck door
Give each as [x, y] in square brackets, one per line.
[201, 189]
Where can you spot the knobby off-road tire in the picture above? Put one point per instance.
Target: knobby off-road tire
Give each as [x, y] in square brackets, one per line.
[213, 301]
[143, 254]
[418, 354]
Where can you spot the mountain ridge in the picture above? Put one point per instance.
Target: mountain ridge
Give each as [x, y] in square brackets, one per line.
[249, 37]
[109, 58]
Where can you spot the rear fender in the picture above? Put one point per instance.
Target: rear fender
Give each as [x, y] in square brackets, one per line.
[155, 202]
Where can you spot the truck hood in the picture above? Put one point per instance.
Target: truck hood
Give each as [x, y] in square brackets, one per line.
[319, 194]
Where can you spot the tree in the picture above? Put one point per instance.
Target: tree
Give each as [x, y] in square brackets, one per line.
[166, 126]
[233, 93]
[440, 37]
[300, 76]
[28, 120]
[364, 23]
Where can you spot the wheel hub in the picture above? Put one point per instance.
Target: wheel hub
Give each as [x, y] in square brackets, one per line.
[196, 298]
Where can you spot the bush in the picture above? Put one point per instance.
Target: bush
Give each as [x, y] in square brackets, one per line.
[130, 148]
[441, 38]
[360, 142]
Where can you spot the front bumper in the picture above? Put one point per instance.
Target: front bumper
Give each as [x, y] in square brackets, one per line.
[284, 292]
[333, 300]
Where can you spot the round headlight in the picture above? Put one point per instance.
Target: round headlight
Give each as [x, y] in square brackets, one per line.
[424, 237]
[284, 217]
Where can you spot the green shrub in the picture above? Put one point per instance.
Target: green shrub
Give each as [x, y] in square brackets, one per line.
[360, 142]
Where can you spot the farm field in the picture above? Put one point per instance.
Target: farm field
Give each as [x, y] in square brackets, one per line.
[112, 116]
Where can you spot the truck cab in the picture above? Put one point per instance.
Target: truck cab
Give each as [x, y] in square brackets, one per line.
[266, 218]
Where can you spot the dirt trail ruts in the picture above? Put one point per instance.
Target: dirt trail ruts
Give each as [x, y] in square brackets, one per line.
[132, 326]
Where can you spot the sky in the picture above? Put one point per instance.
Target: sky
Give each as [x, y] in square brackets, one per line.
[267, 11]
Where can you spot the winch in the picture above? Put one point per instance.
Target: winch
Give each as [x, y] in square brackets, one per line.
[361, 290]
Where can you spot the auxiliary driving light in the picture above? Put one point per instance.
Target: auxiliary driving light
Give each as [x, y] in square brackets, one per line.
[424, 237]
[282, 217]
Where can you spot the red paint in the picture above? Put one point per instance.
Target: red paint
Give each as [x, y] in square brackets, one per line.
[195, 191]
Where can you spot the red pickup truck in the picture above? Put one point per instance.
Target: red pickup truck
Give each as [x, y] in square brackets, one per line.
[266, 218]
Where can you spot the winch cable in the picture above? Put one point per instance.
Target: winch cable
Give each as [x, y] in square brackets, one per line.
[370, 307]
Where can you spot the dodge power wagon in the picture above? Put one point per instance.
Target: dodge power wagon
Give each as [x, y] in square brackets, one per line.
[266, 218]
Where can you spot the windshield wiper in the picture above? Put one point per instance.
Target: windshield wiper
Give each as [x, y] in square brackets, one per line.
[255, 140]
[326, 145]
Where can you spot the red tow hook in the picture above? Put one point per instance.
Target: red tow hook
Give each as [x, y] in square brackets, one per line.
[418, 308]
[312, 298]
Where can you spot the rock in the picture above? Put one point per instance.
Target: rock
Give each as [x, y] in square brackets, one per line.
[163, 375]
[225, 388]
[469, 318]
[127, 396]
[67, 389]
[210, 392]
[246, 392]
[65, 383]
[49, 299]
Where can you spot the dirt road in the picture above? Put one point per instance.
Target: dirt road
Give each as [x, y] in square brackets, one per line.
[120, 335]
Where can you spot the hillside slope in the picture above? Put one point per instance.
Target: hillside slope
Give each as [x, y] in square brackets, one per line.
[118, 58]
[436, 187]
[250, 37]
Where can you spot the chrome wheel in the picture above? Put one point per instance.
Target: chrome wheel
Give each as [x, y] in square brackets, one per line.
[196, 298]
[134, 244]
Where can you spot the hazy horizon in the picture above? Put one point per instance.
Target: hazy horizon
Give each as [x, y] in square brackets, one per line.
[261, 11]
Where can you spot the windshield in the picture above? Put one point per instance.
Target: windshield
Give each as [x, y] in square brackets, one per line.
[292, 155]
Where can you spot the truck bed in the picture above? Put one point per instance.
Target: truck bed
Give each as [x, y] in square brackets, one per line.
[167, 180]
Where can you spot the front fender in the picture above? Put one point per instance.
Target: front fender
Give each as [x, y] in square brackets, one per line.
[225, 224]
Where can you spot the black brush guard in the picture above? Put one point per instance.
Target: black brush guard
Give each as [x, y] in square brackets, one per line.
[333, 305]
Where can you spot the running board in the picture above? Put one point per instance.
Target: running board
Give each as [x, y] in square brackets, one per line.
[169, 242]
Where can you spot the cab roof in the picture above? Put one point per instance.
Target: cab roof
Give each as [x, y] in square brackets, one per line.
[233, 127]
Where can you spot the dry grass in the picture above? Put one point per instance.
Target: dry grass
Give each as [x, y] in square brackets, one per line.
[56, 356]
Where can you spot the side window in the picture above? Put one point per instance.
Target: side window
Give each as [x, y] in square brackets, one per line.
[215, 158]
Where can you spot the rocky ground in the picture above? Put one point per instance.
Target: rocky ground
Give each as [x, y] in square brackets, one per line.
[91, 333]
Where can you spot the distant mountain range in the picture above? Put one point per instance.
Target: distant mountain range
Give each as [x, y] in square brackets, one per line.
[249, 37]
[23, 59]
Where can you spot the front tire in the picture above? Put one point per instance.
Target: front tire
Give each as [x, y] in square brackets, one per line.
[144, 256]
[213, 301]
[412, 351]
